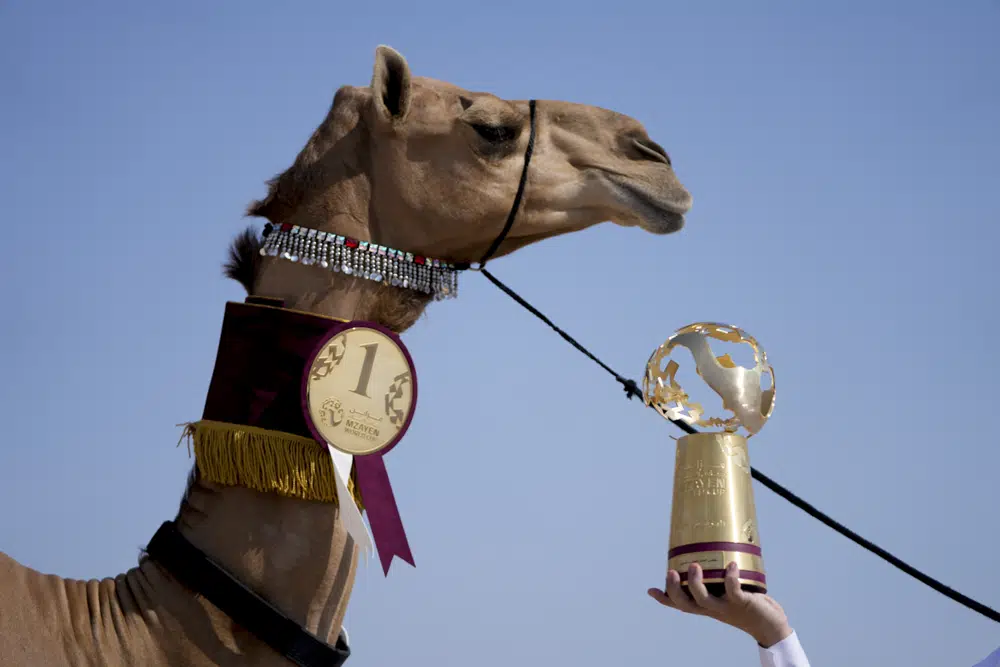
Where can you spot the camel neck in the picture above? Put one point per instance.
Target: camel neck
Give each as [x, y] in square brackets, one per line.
[348, 212]
[294, 553]
[316, 290]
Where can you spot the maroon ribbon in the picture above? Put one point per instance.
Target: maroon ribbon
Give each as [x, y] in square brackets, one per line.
[383, 513]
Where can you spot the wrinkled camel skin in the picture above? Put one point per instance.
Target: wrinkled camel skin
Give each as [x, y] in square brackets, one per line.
[412, 163]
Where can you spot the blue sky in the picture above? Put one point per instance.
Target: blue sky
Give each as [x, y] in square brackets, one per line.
[843, 162]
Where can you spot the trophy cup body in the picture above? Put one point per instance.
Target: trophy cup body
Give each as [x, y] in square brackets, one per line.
[713, 519]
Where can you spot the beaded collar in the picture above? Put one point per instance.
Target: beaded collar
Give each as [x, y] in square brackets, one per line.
[342, 254]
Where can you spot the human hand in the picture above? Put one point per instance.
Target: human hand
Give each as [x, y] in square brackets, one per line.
[754, 613]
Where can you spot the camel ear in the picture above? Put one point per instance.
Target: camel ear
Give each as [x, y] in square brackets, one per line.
[391, 84]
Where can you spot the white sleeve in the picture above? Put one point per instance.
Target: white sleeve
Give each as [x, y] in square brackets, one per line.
[786, 653]
[992, 660]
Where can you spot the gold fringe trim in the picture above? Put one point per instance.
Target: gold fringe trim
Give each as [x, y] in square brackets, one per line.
[268, 461]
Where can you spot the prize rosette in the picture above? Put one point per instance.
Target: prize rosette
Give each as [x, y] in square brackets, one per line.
[359, 390]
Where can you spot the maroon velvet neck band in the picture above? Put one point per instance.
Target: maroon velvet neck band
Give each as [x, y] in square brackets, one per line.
[263, 351]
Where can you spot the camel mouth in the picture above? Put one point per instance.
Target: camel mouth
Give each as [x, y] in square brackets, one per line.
[655, 214]
[667, 223]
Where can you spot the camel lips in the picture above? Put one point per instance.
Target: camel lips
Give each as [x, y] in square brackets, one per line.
[342, 254]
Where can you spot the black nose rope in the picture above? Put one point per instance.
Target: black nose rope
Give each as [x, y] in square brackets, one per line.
[632, 390]
[518, 196]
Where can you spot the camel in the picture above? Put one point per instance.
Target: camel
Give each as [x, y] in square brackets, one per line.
[408, 162]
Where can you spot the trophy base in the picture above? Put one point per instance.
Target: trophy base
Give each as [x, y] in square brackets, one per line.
[752, 579]
[713, 565]
[718, 588]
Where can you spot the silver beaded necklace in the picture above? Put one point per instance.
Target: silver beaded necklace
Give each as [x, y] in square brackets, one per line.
[342, 254]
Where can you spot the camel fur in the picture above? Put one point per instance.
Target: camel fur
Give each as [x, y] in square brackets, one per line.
[408, 162]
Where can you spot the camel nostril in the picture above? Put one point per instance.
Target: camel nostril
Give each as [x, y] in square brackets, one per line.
[652, 150]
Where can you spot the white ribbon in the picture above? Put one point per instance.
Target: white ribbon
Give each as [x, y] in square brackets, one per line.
[349, 512]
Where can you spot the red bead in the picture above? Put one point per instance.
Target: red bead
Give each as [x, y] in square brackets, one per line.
[350, 243]
[419, 259]
[285, 227]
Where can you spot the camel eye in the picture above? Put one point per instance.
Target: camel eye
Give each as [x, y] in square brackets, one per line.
[495, 134]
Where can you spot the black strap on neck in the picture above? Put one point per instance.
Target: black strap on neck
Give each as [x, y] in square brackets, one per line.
[197, 571]
[516, 206]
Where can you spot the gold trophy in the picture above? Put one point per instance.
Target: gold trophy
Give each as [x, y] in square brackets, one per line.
[713, 521]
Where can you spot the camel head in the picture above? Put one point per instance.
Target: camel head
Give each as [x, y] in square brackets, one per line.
[430, 168]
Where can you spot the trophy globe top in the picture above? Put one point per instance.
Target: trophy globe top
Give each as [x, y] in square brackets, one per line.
[746, 393]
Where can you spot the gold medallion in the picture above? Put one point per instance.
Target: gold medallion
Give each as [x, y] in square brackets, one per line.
[360, 390]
